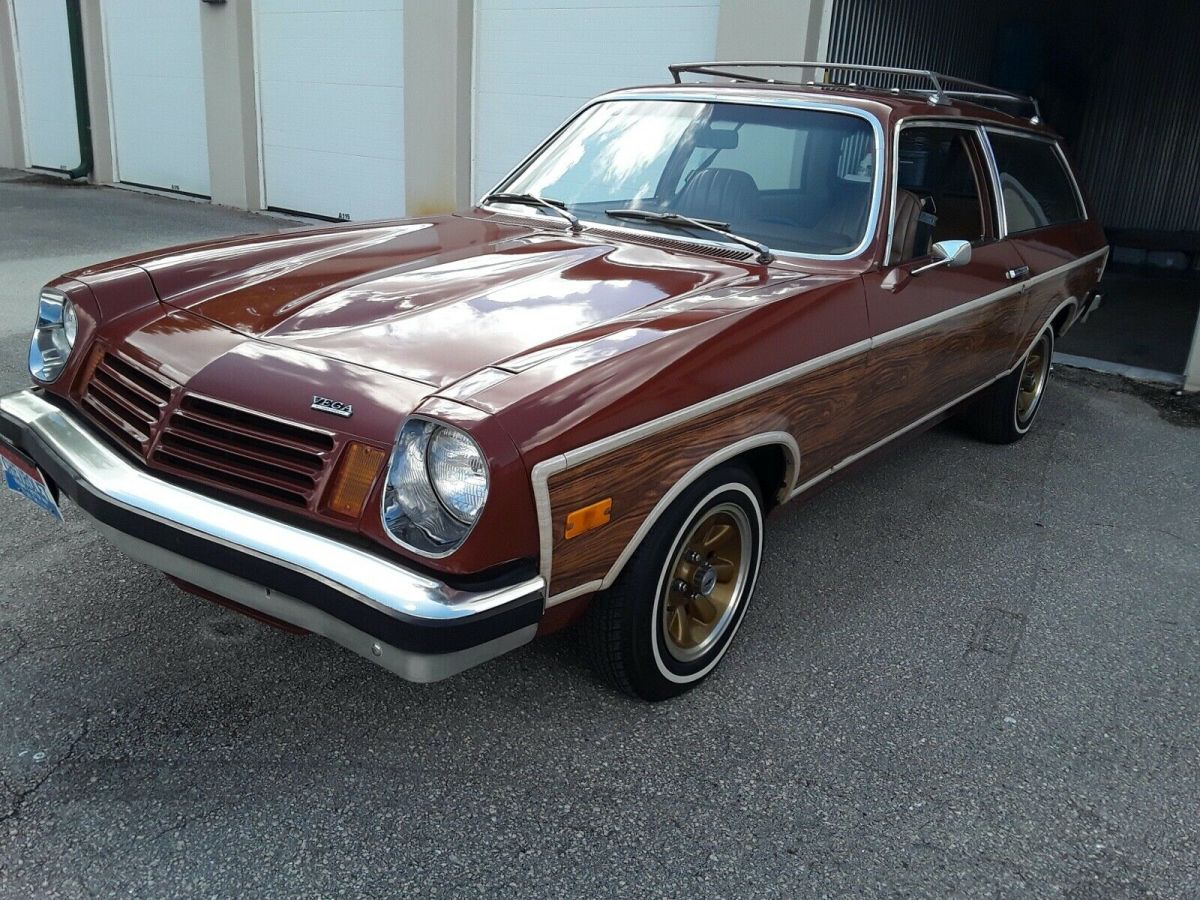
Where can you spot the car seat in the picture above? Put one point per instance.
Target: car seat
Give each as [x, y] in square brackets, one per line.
[723, 195]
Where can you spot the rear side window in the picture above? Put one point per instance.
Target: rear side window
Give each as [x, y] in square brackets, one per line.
[1037, 189]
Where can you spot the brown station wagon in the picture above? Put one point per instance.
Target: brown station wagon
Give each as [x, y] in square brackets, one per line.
[431, 439]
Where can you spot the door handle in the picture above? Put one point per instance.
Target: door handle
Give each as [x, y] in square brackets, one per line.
[1016, 274]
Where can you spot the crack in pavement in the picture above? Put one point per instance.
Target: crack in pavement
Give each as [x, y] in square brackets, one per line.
[20, 643]
[83, 642]
[1153, 529]
[23, 646]
[20, 797]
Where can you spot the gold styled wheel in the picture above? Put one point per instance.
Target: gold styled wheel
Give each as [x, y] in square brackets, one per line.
[709, 578]
[1033, 381]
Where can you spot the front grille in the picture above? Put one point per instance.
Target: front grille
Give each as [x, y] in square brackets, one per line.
[242, 450]
[126, 400]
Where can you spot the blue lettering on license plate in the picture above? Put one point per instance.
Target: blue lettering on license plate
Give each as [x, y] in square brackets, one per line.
[29, 485]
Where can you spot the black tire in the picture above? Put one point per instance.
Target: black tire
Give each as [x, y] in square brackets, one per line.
[1003, 413]
[626, 627]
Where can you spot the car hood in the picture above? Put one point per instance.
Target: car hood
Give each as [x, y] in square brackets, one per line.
[429, 300]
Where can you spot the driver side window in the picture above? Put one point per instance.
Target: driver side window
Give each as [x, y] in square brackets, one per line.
[940, 191]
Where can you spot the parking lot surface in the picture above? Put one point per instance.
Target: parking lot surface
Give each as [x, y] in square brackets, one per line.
[968, 670]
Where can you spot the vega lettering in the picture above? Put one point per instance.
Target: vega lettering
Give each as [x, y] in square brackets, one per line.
[336, 407]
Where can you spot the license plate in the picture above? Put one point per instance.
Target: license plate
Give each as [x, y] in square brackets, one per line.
[22, 476]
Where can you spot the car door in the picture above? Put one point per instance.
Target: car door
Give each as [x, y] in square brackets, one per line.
[940, 333]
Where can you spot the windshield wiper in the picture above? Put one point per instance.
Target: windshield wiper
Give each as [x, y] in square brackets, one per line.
[555, 206]
[669, 218]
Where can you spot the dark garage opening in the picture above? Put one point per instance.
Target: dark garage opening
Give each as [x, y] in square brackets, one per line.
[1115, 79]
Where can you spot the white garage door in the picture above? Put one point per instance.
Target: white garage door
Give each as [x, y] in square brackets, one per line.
[537, 61]
[156, 84]
[47, 89]
[331, 91]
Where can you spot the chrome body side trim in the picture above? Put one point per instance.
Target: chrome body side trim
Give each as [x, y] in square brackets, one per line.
[866, 451]
[982, 127]
[1049, 320]
[904, 331]
[589, 587]
[997, 186]
[540, 476]
[1001, 204]
[934, 122]
[1056, 145]
[542, 471]
[1070, 170]
[646, 429]
[929, 321]
[363, 576]
[765, 439]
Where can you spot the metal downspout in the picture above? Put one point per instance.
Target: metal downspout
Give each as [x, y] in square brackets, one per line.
[83, 116]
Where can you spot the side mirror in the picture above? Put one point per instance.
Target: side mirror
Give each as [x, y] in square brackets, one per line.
[950, 254]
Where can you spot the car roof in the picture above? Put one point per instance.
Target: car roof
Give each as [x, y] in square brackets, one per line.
[884, 103]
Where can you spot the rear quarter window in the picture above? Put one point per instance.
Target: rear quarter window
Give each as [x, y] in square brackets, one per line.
[1037, 189]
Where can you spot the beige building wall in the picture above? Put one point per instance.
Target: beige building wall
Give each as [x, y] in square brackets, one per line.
[1191, 377]
[95, 61]
[12, 139]
[231, 103]
[439, 37]
[752, 30]
[438, 72]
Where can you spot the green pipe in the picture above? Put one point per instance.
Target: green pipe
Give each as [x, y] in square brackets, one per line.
[83, 116]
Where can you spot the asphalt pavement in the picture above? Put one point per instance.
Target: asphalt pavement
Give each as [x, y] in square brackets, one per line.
[968, 670]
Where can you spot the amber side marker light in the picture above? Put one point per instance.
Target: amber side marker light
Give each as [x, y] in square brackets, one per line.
[588, 517]
[351, 484]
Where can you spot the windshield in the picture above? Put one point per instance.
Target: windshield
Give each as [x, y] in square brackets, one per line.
[797, 180]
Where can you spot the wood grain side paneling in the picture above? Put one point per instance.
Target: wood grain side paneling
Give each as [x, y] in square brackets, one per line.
[1044, 298]
[909, 378]
[636, 476]
[833, 413]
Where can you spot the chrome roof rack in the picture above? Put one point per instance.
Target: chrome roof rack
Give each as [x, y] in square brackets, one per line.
[943, 88]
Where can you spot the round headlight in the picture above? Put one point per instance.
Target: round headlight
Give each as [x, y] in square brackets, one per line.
[53, 336]
[70, 323]
[437, 484]
[458, 473]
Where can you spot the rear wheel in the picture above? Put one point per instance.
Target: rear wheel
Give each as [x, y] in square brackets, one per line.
[1004, 412]
[672, 613]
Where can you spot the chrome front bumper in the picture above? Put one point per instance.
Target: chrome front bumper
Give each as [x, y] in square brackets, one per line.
[410, 623]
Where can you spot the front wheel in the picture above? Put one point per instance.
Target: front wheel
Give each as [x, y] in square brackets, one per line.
[672, 613]
[1005, 411]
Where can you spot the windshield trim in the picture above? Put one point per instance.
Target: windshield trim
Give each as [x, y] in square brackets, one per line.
[869, 233]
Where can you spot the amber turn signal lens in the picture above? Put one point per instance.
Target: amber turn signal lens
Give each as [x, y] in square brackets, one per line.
[588, 517]
[89, 367]
[356, 471]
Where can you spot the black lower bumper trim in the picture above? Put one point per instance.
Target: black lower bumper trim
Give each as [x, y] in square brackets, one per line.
[429, 636]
